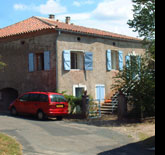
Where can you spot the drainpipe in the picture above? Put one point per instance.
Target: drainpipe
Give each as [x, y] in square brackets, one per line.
[56, 49]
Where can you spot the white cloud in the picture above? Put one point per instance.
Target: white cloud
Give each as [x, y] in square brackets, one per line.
[113, 10]
[51, 7]
[75, 17]
[20, 7]
[78, 3]
[109, 15]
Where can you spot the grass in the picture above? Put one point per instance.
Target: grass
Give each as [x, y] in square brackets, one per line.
[9, 146]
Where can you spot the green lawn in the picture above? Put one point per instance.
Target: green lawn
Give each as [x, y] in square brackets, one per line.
[9, 146]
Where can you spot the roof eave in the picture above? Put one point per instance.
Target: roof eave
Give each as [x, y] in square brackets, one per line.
[100, 36]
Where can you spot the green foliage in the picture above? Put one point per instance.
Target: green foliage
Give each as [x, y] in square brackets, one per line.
[144, 22]
[139, 89]
[73, 102]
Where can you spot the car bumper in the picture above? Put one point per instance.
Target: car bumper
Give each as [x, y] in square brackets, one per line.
[56, 112]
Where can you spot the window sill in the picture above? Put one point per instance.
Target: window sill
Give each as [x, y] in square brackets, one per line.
[39, 71]
[76, 70]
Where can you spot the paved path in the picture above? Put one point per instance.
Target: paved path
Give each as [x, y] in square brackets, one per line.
[66, 138]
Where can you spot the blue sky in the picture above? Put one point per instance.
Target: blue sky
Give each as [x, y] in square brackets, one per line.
[109, 15]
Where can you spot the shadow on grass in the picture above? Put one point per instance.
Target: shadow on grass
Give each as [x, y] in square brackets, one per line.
[134, 148]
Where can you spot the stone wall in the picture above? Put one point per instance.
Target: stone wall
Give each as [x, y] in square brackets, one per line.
[16, 74]
[99, 75]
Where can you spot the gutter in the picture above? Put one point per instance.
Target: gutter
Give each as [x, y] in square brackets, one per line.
[99, 36]
[56, 49]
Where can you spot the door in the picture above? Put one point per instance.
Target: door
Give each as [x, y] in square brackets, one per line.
[100, 92]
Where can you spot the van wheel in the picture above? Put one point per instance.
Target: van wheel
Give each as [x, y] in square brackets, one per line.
[13, 111]
[40, 115]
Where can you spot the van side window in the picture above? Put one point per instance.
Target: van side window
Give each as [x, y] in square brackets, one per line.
[34, 97]
[43, 98]
[24, 97]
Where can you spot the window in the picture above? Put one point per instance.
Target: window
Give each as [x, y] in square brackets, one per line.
[43, 98]
[115, 60]
[133, 63]
[34, 97]
[57, 98]
[77, 60]
[24, 97]
[39, 61]
[78, 90]
[100, 92]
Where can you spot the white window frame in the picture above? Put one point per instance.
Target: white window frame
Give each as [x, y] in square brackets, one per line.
[78, 86]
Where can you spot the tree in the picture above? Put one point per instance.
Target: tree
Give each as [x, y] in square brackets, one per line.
[137, 82]
[144, 22]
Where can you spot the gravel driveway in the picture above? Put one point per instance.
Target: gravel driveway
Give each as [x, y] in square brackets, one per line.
[67, 138]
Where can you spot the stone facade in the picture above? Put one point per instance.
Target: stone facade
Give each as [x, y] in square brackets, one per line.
[99, 75]
[15, 54]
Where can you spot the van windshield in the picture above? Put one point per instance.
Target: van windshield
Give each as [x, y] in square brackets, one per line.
[57, 98]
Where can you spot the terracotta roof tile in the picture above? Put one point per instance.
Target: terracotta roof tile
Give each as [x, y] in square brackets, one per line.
[39, 23]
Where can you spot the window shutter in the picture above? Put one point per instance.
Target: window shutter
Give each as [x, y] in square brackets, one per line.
[127, 60]
[88, 61]
[67, 60]
[109, 64]
[120, 60]
[100, 92]
[46, 60]
[31, 62]
[139, 61]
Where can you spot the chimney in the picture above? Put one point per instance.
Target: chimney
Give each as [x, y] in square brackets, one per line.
[67, 20]
[51, 16]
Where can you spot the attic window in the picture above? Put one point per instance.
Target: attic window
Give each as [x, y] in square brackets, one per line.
[78, 39]
[114, 44]
[22, 42]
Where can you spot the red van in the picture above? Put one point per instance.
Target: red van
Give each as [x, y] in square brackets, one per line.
[41, 104]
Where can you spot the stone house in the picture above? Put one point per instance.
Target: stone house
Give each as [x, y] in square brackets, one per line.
[44, 54]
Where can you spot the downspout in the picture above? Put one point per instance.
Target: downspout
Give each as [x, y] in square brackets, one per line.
[56, 49]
